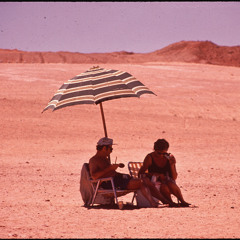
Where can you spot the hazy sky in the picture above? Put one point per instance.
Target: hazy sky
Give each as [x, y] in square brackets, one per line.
[138, 27]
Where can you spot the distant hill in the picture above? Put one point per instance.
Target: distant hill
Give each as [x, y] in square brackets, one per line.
[184, 51]
[199, 52]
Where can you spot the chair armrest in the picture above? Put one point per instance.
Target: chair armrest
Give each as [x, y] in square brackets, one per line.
[101, 179]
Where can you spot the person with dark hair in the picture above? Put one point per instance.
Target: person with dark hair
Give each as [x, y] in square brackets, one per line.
[100, 167]
[161, 166]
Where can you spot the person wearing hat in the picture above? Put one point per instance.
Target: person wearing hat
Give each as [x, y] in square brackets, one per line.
[162, 165]
[100, 167]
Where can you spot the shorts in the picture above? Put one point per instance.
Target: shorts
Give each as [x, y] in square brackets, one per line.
[165, 181]
[120, 182]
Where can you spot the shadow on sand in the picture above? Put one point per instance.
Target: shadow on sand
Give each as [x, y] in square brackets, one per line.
[128, 207]
[115, 206]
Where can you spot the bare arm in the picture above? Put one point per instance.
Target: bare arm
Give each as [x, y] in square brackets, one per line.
[146, 163]
[172, 162]
[97, 172]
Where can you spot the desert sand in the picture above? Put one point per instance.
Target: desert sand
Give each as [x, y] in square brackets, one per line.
[196, 109]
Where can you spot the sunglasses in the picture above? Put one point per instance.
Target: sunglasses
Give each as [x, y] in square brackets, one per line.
[165, 154]
[110, 148]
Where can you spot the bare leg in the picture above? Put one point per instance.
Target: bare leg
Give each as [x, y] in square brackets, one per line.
[135, 184]
[166, 192]
[154, 191]
[175, 190]
[157, 194]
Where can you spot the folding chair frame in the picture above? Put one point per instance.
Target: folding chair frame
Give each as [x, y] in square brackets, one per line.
[111, 193]
[134, 168]
[114, 193]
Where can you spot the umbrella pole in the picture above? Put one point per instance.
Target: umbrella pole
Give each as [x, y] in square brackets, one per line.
[103, 119]
[104, 126]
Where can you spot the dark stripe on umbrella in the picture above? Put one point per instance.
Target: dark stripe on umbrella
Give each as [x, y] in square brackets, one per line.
[100, 76]
[143, 92]
[123, 93]
[92, 81]
[72, 104]
[76, 94]
[110, 89]
[80, 100]
[87, 82]
[134, 84]
[114, 94]
[114, 97]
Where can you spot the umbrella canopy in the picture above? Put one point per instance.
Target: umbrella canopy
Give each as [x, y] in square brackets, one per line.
[95, 86]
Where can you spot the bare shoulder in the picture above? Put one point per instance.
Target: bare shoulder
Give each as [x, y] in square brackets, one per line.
[172, 159]
[93, 164]
[147, 160]
[148, 157]
[94, 160]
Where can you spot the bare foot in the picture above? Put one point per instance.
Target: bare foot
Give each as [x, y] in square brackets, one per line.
[173, 204]
[154, 204]
[184, 204]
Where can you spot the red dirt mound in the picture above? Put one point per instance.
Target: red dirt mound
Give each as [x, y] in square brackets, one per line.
[199, 52]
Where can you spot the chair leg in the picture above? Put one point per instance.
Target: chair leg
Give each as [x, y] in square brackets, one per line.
[95, 193]
[114, 190]
[134, 197]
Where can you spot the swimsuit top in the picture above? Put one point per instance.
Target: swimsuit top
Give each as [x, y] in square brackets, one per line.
[153, 168]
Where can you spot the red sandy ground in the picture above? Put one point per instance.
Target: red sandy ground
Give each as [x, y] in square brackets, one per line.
[196, 109]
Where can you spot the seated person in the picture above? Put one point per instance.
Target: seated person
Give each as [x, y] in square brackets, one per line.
[100, 167]
[162, 164]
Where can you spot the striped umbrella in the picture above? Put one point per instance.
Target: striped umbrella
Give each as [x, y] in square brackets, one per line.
[95, 86]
